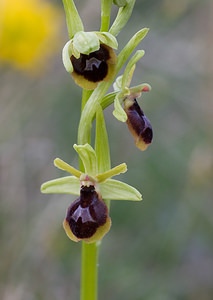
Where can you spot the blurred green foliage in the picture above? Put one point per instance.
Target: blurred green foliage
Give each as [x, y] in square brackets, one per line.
[159, 249]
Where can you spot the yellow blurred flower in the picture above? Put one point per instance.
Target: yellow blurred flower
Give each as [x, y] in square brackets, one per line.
[29, 32]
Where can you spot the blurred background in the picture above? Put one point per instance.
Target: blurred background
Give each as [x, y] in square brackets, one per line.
[158, 249]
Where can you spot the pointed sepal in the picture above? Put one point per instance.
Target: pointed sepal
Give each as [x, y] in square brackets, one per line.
[63, 185]
[117, 190]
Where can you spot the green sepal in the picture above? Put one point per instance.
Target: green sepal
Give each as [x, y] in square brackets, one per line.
[86, 42]
[110, 189]
[88, 156]
[66, 185]
[101, 142]
[117, 190]
[127, 76]
[107, 39]
[119, 112]
[66, 54]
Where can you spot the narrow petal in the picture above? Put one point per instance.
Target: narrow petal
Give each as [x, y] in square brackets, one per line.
[66, 185]
[117, 190]
[122, 168]
[59, 163]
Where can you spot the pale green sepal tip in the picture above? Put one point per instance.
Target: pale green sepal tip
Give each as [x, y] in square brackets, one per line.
[88, 156]
[66, 54]
[86, 42]
[107, 39]
[119, 112]
[122, 168]
[117, 190]
[66, 185]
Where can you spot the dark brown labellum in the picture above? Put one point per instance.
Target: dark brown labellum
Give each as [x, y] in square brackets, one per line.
[93, 66]
[87, 213]
[139, 124]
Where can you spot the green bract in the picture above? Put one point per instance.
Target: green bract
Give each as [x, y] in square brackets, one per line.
[110, 189]
[74, 23]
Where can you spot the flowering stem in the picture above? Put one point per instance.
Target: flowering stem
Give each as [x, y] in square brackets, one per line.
[89, 271]
[91, 101]
[105, 14]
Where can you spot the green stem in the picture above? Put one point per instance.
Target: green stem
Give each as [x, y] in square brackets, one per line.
[105, 14]
[89, 106]
[85, 96]
[89, 255]
[89, 271]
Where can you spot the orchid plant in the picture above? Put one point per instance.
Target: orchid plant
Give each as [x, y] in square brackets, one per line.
[91, 60]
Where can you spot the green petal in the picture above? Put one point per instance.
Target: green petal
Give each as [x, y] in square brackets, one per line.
[108, 39]
[88, 156]
[122, 168]
[101, 142]
[86, 42]
[66, 54]
[119, 112]
[59, 163]
[66, 185]
[117, 190]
